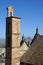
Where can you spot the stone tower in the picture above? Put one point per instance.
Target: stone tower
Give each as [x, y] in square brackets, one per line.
[12, 38]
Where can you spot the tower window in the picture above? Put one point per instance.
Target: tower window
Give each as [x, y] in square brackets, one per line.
[10, 13]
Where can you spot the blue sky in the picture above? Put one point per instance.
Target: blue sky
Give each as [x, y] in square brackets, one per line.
[30, 12]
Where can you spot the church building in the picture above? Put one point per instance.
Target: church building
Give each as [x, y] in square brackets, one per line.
[21, 52]
[14, 48]
[12, 38]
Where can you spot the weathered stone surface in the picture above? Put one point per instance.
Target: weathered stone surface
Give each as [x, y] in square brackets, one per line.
[34, 55]
[13, 43]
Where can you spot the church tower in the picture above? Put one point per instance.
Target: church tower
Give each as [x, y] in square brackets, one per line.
[12, 38]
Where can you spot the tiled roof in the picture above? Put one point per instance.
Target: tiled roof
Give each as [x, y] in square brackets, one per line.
[34, 55]
[26, 41]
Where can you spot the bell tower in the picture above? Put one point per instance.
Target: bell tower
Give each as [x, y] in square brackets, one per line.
[12, 38]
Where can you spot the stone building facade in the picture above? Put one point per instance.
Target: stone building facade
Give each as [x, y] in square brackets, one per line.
[24, 45]
[12, 38]
[34, 55]
[18, 52]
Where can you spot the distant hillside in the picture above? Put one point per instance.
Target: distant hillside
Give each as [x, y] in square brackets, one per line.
[2, 42]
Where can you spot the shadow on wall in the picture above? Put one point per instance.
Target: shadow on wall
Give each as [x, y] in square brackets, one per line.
[25, 63]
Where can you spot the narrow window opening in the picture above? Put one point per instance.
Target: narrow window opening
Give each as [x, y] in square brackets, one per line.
[10, 13]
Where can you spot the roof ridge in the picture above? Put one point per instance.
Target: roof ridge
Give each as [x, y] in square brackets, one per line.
[35, 36]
